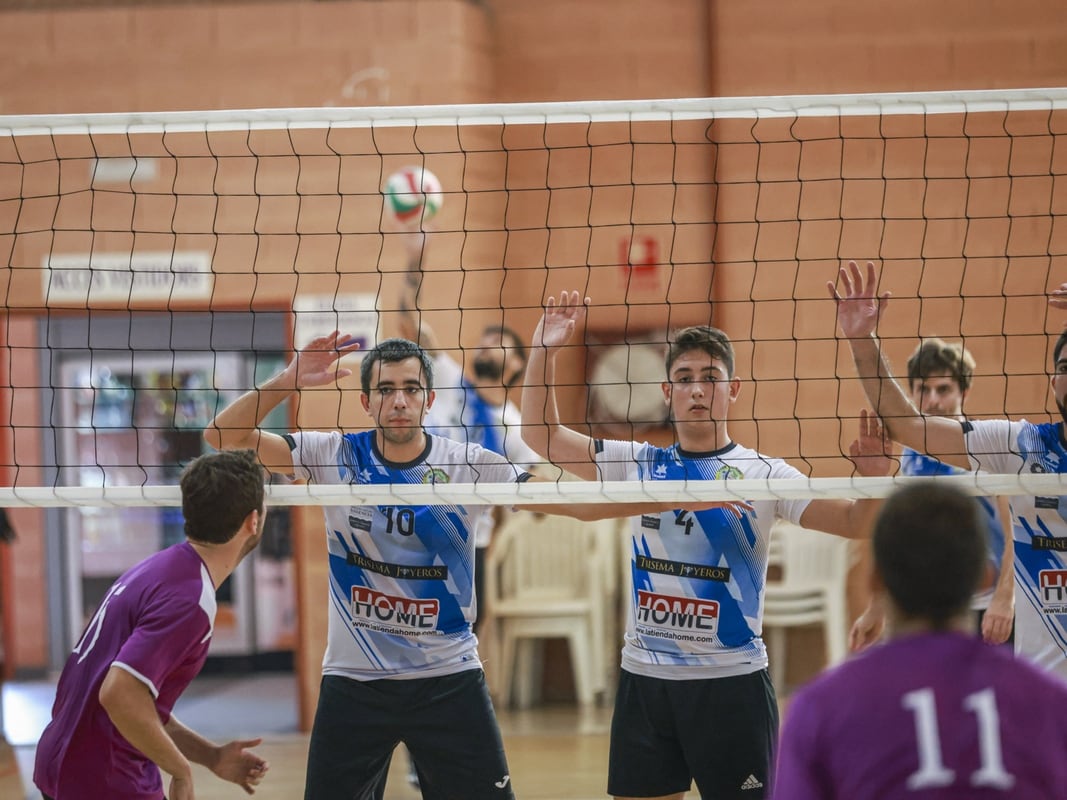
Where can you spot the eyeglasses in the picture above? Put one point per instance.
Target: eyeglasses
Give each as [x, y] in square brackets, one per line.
[389, 391]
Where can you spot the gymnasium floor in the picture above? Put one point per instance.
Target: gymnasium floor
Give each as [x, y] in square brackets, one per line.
[556, 752]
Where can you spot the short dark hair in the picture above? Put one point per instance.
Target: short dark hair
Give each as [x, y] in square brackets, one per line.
[938, 357]
[392, 351]
[1059, 346]
[701, 337]
[930, 550]
[219, 490]
[516, 345]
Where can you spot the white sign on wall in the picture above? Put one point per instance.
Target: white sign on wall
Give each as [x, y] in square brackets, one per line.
[321, 314]
[123, 170]
[139, 277]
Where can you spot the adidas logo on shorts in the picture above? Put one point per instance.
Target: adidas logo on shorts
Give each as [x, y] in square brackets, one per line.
[751, 783]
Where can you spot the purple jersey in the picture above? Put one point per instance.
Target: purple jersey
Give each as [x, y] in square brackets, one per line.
[155, 623]
[931, 716]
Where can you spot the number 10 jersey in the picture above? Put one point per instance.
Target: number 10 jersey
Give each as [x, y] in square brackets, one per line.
[401, 577]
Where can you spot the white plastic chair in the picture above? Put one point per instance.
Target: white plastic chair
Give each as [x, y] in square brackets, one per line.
[545, 579]
[810, 590]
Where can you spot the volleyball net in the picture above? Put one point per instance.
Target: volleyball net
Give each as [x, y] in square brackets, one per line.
[161, 264]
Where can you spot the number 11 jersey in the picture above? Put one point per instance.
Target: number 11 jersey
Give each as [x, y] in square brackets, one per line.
[933, 715]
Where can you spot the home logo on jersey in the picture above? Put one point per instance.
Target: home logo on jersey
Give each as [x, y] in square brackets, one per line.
[1052, 584]
[681, 618]
[728, 472]
[389, 613]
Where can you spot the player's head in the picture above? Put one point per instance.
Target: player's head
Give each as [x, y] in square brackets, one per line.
[394, 351]
[501, 356]
[700, 383]
[397, 381]
[939, 377]
[930, 551]
[701, 338]
[219, 491]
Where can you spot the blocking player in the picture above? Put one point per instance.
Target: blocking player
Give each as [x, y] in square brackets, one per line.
[112, 729]
[932, 712]
[694, 701]
[401, 663]
[471, 402]
[997, 446]
[939, 380]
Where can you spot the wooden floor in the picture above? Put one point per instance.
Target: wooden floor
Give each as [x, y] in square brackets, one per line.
[548, 756]
[555, 753]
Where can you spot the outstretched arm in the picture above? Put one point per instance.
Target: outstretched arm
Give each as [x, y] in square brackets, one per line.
[858, 313]
[853, 519]
[132, 710]
[541, 426]
[236, 427]
[410, 324]
[591, 512]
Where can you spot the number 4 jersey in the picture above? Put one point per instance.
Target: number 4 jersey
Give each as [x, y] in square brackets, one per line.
[696, 607]
[401, 577]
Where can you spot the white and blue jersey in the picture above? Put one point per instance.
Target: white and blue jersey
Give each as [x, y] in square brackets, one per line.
[696, 606]
[460, 413]
[919, 464]
[401, 577]
[1039, 532]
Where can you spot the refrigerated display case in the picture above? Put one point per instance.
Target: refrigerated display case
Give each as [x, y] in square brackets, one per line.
[135, 417]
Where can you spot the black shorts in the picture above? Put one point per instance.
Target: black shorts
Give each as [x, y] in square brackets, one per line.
[447, 723]
[720, 732]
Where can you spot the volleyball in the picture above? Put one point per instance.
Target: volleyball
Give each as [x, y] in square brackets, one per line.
[413, 193]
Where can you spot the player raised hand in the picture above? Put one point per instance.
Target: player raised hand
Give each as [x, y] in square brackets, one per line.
[871, 451]
[560, 319]
[317, 362]
[860, 309]
[1058, 298]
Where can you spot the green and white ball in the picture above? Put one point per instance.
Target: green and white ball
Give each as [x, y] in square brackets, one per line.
[413, 193]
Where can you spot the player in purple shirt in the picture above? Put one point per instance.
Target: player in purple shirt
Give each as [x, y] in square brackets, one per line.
[112, 730]
[933, 712]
